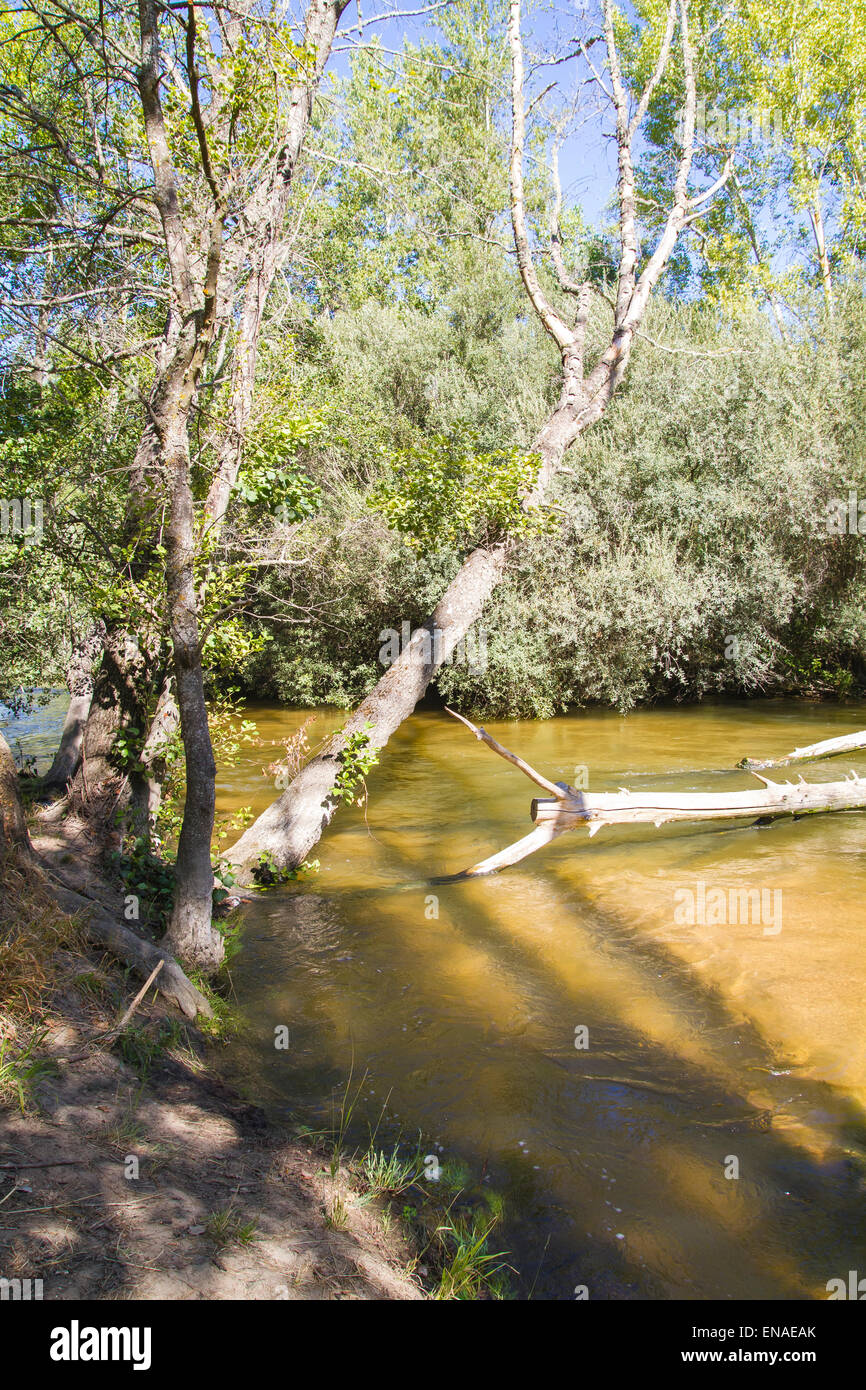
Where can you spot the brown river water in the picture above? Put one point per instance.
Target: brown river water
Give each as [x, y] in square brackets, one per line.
[569, 1030]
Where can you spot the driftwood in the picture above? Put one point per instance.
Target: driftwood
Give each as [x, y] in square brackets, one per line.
[569, 808]
[828, 748]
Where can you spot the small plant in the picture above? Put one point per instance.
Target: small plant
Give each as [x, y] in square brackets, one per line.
[127, 747]
[20, 1072]
[94, 987]
[337, 1215]
[356, 759]
[231, 932]
[390, 1173]
[140, 1045]
[469, 1270]
[147, 875]
[126, 1134]
[225, 1021]
[267, 872]
[296, 752]
[225, 1227]
[226, 880]
[224, 826]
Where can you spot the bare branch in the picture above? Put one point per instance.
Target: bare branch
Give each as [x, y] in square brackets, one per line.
[550, 319]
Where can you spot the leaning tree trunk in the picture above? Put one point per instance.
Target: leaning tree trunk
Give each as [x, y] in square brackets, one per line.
[286, 832]
[79, 679]
[288, 829]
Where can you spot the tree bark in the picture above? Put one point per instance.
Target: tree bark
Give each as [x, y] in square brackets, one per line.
[117, 702]
[190, 933]
[293, 824]
[14, 838]
[79, 679]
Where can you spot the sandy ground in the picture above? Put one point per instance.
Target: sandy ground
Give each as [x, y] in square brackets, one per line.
[73, 1213]
[157, 1181]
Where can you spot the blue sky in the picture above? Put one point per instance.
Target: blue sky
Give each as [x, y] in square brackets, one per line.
[588, 159]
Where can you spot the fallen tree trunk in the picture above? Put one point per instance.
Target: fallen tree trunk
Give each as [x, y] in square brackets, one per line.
[142, 956]
[827, 748]
[569, 808]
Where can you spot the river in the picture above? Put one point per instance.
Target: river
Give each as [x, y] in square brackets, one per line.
[671, 1108]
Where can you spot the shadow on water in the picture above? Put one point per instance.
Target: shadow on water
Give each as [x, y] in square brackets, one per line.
[613, 1158]
[457, 1006]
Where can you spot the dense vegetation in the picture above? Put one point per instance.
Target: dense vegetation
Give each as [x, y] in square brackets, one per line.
[684, 550]
[278, 365]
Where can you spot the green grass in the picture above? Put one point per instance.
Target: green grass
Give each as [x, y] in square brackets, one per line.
[141, 1044]
[389, 1173]
[19, 1072]
[469, 1270]
[225, 1227]
[337, 1215]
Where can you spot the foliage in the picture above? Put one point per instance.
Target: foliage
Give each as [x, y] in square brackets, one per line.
[356, 759]
[267, 873]
[20, 1070]
[436, 494]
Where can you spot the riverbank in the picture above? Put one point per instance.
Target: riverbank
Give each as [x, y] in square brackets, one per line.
[129, 1170]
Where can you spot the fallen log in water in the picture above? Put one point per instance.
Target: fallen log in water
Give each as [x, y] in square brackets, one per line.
[569, 808]
[828, 748]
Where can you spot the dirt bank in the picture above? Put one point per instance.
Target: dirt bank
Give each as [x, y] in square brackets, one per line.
[133, 1172]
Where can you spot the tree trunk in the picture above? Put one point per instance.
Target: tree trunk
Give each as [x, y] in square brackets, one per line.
[163, 726]
[190, 934]
[14, 839]
[79, 679]
[292, 825]
[100, 786]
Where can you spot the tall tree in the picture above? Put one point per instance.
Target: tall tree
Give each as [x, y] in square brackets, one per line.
[223, 96]
[287, 830]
